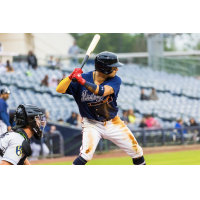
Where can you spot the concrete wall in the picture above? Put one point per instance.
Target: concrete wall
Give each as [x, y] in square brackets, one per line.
[16, 42]
[42, 44]
[51, 43]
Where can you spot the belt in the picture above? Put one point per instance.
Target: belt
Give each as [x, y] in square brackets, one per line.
[105, 120]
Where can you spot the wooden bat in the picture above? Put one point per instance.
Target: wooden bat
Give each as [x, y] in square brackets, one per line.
[91, 48]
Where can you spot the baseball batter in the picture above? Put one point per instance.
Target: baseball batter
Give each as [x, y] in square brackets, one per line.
[15, 144]
[96, 95]
[4, 111]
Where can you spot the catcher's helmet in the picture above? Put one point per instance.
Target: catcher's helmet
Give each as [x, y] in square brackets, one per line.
[105, 61]
[5, 90]
[30, 115]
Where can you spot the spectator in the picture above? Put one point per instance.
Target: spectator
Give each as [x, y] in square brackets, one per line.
[61, 121]
[153, 95]
[51, 62]
[4, 111]
[48, 129]
[179, 124]
[72, 119]
[32, 60]
[73, 52]
[195, 132]
[143, 96]
[151, 122]
[58, 64]
[45, 81]
[143, 123]
[131, 116]
[1, 47]
[51, 132]
[54, 81]
[125, 117]
[193, 122]
[9, 67]
[36, 148]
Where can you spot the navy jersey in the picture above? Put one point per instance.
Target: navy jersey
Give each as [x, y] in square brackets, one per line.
[4, 112]
[92, 106]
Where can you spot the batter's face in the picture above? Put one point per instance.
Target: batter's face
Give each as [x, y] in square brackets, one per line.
[114, 69]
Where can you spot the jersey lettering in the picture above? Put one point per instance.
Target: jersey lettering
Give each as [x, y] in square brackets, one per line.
[92, 97]
[19, 150]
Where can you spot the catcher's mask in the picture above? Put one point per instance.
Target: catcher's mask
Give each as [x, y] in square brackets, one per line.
[30, 115]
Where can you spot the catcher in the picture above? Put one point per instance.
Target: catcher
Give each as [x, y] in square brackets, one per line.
[15, 144]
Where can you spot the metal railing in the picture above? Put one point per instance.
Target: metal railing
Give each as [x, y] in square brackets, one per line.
[159, 137]
[184, 66]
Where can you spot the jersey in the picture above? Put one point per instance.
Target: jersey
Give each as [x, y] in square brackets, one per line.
[11, 147]
[4, 110]
[92, 106]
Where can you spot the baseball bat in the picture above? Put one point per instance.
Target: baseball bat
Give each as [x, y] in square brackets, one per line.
[91, 48]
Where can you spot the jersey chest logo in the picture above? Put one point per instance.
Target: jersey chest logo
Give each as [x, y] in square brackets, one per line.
[90, 97]
[107, 100]
[19, 150]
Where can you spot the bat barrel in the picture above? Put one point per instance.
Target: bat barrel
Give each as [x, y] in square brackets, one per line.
[89, 51]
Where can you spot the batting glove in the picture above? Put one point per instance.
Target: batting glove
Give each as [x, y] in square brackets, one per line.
[77, 70]
[79, 78]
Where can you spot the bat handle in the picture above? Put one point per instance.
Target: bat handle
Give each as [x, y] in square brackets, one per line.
[74, 80]
[83, 63]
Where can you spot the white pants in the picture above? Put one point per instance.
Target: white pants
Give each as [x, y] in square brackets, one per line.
[114, 130]
[3, 127]
[36, 148]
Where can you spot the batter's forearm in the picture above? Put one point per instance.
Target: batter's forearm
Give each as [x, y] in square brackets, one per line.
[63, 85]
[99, 89]
[91, 87]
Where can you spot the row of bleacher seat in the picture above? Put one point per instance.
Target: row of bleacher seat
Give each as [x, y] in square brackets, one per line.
[178, 95]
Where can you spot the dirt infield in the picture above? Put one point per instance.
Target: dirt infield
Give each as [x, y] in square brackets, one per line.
[120, 153]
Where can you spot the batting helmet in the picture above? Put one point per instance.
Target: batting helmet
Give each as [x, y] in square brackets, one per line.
[5, 90]
[30, 115]
[105, 61]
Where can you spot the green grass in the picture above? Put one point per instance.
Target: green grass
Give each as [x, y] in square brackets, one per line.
[176, 158]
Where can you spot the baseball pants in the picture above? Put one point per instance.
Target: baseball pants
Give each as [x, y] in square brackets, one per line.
[36, 148]
[114, 130]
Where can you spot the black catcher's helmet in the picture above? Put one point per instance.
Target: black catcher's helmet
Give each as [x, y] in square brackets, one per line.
[5, 90]
[105, 61]
[30, 115]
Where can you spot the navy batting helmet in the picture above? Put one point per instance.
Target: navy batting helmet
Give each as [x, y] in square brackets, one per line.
[105, 61]
[5, 90]
[30, 115]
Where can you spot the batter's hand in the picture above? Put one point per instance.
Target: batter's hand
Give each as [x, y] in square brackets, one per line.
[77, 70]
[79, 78]
[9, 128]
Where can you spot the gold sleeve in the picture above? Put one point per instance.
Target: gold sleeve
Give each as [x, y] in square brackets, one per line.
[63, 85]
